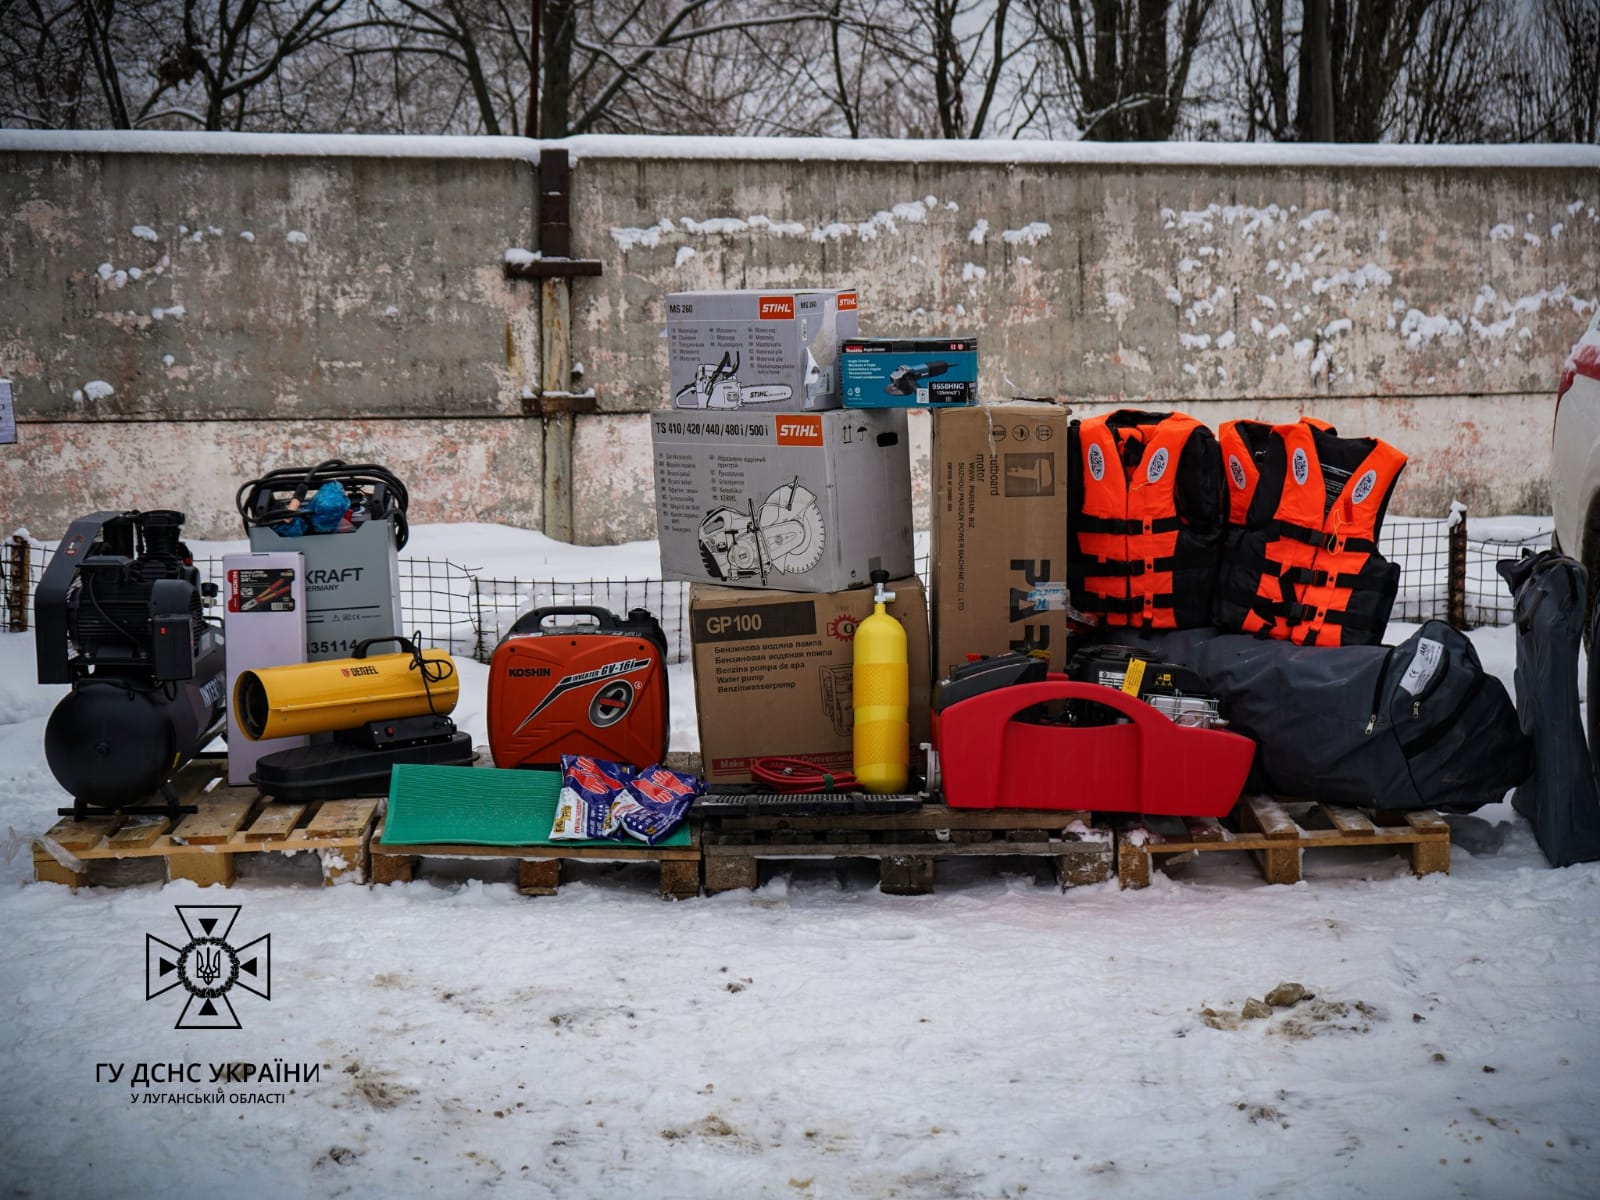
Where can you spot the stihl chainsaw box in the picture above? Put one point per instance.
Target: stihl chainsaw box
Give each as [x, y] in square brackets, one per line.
[758, 351]
[598, 689]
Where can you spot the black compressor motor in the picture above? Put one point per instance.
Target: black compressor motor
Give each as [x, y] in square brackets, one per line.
[118, 615]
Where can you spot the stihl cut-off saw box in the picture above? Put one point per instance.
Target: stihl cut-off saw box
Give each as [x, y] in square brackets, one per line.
[599, 687]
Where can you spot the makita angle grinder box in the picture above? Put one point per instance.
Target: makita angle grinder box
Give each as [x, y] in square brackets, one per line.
[803, 502]
[772, 673]
[758, 351]
[908, 372]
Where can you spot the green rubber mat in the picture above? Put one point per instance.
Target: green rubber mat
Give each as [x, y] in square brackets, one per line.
[480, 806]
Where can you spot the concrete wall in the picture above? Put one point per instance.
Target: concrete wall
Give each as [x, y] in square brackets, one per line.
[176, 324]
[1427, 297]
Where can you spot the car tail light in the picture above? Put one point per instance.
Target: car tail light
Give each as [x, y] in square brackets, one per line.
[1584, 360]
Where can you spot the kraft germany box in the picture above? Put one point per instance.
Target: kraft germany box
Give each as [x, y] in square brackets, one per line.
[805, 502]
[772, 673]
[999, 547]
[908, 372]
[766, 351]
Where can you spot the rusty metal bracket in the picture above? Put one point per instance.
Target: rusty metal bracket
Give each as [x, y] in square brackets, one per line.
[555, 226]
[551, 404]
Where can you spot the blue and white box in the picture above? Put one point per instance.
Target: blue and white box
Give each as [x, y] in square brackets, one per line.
[908, 372]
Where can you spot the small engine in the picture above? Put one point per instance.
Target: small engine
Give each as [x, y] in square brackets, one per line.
[119, 616]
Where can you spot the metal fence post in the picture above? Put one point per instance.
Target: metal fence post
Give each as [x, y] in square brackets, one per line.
[1456, 572]
[480, 652]
[17, 584]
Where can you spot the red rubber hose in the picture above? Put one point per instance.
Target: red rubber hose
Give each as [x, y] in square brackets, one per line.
[798, 775]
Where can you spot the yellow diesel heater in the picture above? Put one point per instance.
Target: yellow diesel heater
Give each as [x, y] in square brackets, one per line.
[343, 693]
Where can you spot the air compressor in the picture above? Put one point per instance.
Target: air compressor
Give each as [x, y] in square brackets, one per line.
[880, 686]
[119, 616]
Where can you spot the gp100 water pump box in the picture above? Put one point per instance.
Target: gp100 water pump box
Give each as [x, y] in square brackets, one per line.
[758, 351]
[806, 502]
[773, 673]
[908, 372]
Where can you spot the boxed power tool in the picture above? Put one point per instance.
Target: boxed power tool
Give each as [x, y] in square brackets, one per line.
[807, 502]
[767, 351]
[772, 673]
[999, 547]
[349, 521]
[908, 372]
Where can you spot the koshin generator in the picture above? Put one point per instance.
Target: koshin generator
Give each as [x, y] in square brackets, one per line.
[119, 616]
[598, 689]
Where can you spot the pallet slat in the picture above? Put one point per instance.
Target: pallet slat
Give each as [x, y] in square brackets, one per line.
[906, 845]
[1268, 830]
[216, 822]
[1349, 821]
[341, 818]
[138, 833]
[275, 821]
[204, 845]
[539, 868]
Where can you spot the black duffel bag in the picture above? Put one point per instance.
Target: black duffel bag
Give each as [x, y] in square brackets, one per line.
[1560, 798]
[1418, 725]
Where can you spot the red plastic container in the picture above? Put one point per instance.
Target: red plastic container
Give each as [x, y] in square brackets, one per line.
[989, 760]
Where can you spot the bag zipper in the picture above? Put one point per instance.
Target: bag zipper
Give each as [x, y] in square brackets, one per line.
[1377, 692]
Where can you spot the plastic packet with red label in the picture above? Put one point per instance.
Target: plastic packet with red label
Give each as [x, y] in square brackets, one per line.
[589, 791]
[655, 802]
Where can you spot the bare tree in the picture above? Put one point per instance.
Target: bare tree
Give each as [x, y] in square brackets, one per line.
[1124, 65]
[1454, 71]
[183, 63]
[1374, 70]
[1554, 84]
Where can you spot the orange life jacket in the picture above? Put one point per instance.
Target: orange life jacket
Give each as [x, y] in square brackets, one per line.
[1304, 566]
[1243, 445]
[1145, 519]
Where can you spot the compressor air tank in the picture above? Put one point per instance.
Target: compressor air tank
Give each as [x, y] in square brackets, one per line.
[881, 685]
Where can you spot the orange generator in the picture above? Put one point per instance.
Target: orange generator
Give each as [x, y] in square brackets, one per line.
[598, 689]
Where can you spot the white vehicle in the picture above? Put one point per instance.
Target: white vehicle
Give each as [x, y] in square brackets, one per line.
[1575, 457]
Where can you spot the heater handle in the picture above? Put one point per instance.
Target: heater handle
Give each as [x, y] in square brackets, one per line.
[407, 646]
[531, 622]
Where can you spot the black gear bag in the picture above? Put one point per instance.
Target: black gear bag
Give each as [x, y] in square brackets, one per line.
[1413, 726]
[1559, 799]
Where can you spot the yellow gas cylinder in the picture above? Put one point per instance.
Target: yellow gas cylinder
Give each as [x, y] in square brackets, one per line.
[880, 684]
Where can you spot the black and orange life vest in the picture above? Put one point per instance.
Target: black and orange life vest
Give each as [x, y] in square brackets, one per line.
[1243, 445]
[1145, 519]
[1304, 566]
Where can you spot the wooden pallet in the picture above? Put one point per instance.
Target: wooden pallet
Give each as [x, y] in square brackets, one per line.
[1278, 833]
[539, 867]
[906, 845]
[202, 846]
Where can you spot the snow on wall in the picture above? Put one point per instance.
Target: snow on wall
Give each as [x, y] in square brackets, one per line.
[270, 278]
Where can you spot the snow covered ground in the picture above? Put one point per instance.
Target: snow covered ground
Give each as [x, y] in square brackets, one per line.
[813, 1038]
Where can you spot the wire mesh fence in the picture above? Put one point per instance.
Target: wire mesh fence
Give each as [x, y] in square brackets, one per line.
[466, 613]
